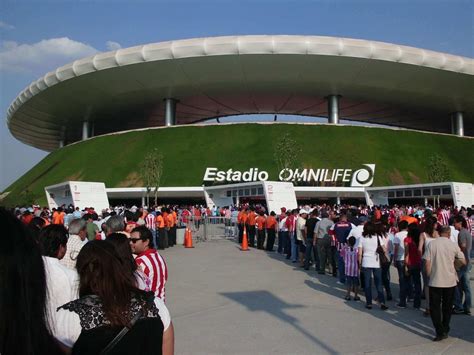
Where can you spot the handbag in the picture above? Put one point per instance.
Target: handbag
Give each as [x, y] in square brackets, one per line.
[384, 261]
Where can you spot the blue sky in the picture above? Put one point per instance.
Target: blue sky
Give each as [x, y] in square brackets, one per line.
[38, 36]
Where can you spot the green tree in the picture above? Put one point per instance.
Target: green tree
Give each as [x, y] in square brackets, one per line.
[151, 170]
[438, 170]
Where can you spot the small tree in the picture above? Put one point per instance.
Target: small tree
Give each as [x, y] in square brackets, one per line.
[287, 153]
[438, 170]
[151, 170]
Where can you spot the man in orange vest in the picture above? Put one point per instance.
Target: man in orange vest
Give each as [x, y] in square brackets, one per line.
[171, 228]
[241, 221]
[271, 230]
[260, 222]
[251, 226]
[160, 225]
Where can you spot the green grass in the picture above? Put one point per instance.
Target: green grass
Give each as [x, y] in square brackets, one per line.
[401, 156]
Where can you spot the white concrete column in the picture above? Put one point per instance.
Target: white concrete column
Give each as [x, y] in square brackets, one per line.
[457, 124]
[333, 109]
[85, 130]
[85, 124]
[170, 111]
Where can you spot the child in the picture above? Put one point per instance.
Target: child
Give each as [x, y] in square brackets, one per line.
[350, 255]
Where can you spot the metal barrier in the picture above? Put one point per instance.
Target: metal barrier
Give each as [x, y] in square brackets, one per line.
[209, 228]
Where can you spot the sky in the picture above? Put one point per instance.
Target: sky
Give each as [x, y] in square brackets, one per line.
[37, 36]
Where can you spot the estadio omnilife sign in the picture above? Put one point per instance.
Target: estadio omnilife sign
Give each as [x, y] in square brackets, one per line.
[356, 178]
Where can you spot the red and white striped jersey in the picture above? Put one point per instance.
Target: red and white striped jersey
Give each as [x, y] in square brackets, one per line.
[152, 264]
[351, 261]
[150, 221]
[443, 217]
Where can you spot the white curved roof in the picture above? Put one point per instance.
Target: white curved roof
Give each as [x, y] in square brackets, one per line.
[39, 122]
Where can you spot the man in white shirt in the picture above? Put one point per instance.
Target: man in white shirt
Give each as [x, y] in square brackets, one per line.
[62, 283]
[399, 259]
[77, 239]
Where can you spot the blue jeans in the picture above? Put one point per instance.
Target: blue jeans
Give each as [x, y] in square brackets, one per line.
[281, 239]
[403, 282]
[377, 272]
[310, 248]
[463, 287]
[294, 247]
[155, 241]
[340, 267]
[414, 273]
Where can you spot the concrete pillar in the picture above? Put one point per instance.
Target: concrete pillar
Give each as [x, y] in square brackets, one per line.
[85, 130]
[62, 136]
[333, 109]
[457, 124]
[85, 123]
[338, 200]
[170, 111]
[143, 201]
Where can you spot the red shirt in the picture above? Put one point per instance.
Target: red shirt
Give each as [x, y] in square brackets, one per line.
[414, 255]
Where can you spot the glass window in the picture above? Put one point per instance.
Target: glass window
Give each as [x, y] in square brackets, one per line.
[447, 190]
[417, 193]
[253, 191]
[260, 190]
[234, 193]
[241, 192]
[408, 193]
[229, 193]
[426, 192]
[391, 194]
[247, 192]
[399, 193]
[437, 191]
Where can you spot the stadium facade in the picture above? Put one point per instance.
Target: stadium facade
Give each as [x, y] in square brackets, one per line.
[185, 82]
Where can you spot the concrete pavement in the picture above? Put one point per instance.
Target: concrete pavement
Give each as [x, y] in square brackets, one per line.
[225, 301]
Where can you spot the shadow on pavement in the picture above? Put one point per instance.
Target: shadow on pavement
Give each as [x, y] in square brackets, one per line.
[461, 326]
[264, 301]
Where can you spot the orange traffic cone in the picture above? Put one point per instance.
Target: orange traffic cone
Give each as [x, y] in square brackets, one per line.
[245, 242]
[188, 239]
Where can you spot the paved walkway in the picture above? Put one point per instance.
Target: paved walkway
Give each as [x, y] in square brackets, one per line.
[225, 301]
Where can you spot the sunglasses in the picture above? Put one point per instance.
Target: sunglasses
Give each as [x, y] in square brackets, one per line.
[134, 240]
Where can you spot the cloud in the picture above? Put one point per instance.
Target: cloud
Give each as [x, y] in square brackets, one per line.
[112, 46]
[6, 26]
[42, 56]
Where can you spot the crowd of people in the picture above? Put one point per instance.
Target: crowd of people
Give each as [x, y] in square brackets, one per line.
[430, 250]
[76, 285]
[89, 281]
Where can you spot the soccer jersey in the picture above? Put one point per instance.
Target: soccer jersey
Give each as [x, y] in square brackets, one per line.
[152, 264]
[351, 261]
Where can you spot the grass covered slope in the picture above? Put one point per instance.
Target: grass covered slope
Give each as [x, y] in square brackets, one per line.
[401, 156]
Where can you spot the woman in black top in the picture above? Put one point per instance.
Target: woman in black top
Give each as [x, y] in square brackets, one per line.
[109, 301]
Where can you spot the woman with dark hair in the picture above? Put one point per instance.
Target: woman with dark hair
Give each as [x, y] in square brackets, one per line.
[369, 260]
[109, 304]
[430, 234]
[122, 246]
[24, 327]
[413, 262]
[35, 226]
[381, 230]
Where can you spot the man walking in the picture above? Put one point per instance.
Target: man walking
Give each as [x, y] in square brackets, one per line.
[440, 257]
[464, 285]
[323, 243]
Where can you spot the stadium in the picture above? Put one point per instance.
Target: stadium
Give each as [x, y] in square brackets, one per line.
[100, 114]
